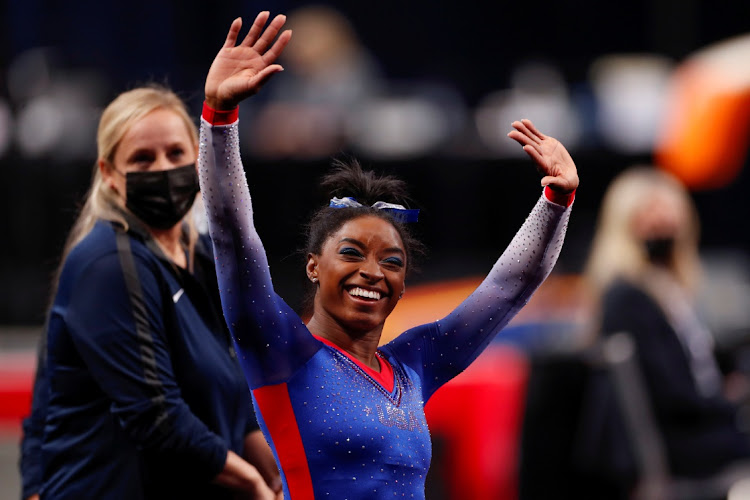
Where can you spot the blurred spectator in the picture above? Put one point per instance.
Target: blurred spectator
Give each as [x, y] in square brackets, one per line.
[328, 75]
[644, 270]
[333, 96]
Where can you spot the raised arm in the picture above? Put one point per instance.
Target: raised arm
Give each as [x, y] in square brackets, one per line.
[449, 345]
[272, 340]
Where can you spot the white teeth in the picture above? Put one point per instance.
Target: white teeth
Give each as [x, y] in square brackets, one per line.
[361, 292]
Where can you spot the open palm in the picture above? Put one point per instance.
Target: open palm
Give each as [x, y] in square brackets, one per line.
[552, 159]
[239, 71]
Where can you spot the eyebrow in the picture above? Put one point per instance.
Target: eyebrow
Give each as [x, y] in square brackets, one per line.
[362, 245]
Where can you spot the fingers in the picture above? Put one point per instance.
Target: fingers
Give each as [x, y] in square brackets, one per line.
[256, 28]
[549, 180]
[278, 47]
[524, 140]
[234, 30]
[267, 37]
[527, 128]
[266, 74]
[260, 40]
[530, 126]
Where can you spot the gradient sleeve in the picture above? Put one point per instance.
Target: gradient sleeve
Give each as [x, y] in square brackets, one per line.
[272, 340]
[442, 350]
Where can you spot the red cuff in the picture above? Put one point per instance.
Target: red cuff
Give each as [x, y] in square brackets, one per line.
[564, 199]
[216, 117]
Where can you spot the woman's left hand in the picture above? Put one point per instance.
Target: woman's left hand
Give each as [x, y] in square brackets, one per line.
[552, 159]
[239, 71]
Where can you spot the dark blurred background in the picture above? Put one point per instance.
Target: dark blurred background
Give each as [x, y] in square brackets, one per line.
[428, 94]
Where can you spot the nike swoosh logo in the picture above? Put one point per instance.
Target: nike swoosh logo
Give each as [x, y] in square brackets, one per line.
[177, 296]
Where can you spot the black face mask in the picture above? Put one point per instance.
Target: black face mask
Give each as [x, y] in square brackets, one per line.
[162, 198]
[659, 250]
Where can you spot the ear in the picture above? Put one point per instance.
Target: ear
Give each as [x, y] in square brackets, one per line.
[312, 267]
[108, 173]
[403, 291]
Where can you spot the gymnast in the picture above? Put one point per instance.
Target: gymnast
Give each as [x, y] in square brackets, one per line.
[345, 417]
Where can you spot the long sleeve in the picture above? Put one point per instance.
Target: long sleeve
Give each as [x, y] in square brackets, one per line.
[115, 316]
[272, 340]
[441, 350]
[30, 462]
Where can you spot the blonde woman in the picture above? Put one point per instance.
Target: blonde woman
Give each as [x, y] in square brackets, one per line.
[644, 268]
[139, 393]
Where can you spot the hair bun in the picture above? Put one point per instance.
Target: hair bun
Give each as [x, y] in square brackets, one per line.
[348, 178]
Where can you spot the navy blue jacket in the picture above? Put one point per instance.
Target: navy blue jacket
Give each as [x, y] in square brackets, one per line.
[700, 433]
[141, 394]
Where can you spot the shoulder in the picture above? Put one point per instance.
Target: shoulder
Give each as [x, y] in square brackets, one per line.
[624, 291]
[626, 305]
[100, 253]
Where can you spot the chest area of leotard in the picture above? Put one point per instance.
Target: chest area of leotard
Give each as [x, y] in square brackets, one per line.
[349, 421]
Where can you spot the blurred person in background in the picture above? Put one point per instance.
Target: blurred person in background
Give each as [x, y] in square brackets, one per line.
[644, 270]
[139, 393]
[344, 416]
[326, 79]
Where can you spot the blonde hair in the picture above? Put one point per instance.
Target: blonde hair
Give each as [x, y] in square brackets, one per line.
[616, 252]
[101, 202]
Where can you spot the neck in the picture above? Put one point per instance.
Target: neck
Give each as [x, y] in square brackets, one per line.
[361, 345]
[170, 241]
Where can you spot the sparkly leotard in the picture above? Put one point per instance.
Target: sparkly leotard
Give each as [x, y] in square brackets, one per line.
[335, 430]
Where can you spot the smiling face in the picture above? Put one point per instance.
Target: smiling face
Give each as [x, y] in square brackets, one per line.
[158, 141]
[360, 272]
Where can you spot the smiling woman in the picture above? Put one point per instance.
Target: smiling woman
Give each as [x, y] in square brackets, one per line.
[139, 393]
[360, 274]
[357, 259]
[345, 418]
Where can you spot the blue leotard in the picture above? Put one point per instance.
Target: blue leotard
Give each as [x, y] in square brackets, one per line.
[335, 430]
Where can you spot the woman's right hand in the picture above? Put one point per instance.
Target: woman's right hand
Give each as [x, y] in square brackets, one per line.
[244, 479]
[239, 71]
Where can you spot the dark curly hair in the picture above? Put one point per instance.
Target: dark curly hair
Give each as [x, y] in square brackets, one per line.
[348, 178]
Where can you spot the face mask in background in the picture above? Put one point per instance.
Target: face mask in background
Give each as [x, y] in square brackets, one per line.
[659, 250]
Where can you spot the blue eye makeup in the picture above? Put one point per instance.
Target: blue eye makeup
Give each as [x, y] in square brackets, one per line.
[395, 261]
[350, 251]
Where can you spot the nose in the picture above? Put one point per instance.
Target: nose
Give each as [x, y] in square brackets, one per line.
[162, 162]
[370, 270]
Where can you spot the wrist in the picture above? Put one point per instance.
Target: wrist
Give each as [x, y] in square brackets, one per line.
[558, 197]
[219, 104]
[216, 116]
